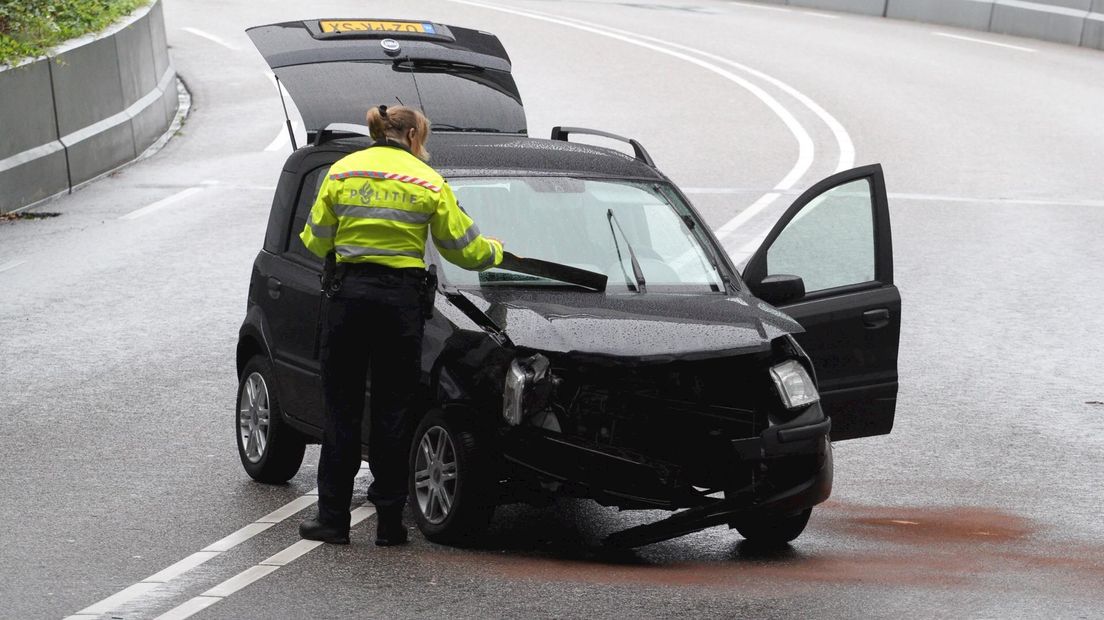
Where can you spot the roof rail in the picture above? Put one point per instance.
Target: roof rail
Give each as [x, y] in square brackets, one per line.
[334, 131]
[561, 133]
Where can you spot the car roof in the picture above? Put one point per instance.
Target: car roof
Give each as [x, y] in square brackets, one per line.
[456, 154]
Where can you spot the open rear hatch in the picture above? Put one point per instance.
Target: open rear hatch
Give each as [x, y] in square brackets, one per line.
[335, 69]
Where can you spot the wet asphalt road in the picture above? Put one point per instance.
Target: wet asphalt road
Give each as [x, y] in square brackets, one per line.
[117, 335]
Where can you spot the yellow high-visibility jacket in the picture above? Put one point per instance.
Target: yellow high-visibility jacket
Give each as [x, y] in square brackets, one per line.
[376, 205]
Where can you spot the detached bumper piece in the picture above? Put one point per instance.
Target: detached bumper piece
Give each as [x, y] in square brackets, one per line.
[813, 488]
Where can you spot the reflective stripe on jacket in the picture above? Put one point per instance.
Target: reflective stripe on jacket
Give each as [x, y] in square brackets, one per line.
[376, 205]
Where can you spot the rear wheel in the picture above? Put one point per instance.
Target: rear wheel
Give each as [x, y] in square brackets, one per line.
[449, 479]
[270, 450]
[773, 530]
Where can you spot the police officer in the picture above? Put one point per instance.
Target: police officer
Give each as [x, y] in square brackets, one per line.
[373, 210]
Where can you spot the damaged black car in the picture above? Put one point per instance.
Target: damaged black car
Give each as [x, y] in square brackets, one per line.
[617, 354]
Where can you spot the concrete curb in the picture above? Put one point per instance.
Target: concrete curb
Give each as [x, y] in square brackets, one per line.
[86, 108]
[1073, 22]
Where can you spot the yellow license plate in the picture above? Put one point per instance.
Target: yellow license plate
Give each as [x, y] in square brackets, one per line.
[339, 26]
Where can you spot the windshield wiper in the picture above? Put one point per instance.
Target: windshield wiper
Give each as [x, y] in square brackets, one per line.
[554, 271]
[637, 271]
[448, 127]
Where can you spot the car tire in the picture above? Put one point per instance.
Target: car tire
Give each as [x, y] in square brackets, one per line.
[269, 449]
[773, 530]
[450, 480]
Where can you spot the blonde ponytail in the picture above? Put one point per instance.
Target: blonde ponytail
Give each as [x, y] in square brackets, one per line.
[395, 123]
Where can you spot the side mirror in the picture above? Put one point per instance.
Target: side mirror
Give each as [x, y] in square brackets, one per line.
[779, 289]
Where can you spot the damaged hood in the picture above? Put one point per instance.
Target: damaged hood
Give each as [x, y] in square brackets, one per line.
[649, 327]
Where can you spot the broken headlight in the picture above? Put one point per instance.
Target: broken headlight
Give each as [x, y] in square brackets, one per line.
[528, 384]
[795, 386]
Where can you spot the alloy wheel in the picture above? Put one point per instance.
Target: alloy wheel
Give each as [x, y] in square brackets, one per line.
[254, 417]
[435, 474]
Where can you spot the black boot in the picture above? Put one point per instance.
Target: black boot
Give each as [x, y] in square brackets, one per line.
[390, 530]
[314, 529]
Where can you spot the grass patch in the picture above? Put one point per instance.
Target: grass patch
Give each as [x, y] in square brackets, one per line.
[32, 27]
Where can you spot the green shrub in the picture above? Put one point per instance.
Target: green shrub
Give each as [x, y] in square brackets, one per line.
[33, 27]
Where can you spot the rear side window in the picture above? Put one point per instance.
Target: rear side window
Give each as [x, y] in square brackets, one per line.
[308, 192]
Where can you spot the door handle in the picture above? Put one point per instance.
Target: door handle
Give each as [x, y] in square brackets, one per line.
[874, 319]
[274, 286]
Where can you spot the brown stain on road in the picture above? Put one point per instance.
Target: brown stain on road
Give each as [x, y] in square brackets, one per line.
[916, 547]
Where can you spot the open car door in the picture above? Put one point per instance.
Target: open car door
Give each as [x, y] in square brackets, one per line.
[836, 239]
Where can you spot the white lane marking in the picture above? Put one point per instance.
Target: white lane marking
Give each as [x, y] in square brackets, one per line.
[256, 572]
[983, 41]
[806, 148]
[763, 7]
[843, 139]
[160, 204]
[181, 567]
[239, 581]
[189, 608]
[279, 142]
[11, 265]
[282, 139]
[119, 598]
[238, 537]
[292, 553]
[288, 509]
[756, 207]
[148, 585]
[210, 37]
[824, 15]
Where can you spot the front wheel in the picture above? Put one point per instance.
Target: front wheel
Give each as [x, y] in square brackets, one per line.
[773, 530]
[449, 479]
[270, 450]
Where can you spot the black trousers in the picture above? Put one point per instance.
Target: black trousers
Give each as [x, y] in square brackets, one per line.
[373, 323]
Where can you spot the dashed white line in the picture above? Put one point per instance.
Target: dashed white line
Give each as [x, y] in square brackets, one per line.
[11, 265]
[148, 585]
[983, 41]
[210, 37]
[161, 204]
[255, 573]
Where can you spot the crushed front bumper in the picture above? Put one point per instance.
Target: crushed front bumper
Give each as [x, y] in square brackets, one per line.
[796, 461]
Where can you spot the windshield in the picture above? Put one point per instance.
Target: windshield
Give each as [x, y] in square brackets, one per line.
[566, 220]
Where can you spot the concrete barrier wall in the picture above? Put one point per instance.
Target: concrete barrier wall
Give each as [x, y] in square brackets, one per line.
[1093, 36]
[1075, 22]
[88, 107]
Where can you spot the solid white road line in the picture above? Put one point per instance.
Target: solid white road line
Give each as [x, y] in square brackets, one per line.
[282, 140]
[763, 7]
[11, 265]
[160, 204]
[983, 41]
[756, 207]
[843, 139]
[806, 148]
[210, 37]
[256, 572]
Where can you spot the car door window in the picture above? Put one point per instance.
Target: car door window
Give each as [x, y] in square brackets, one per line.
[830, 243]
[308, 191]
